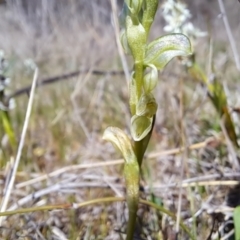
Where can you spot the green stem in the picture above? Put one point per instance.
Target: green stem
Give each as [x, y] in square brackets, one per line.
[131, 221]
[132, 177]
[140, 148]
[138, 68]
[132, 195]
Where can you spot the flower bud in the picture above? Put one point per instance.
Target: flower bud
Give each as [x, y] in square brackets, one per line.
[150, 79]
[124, 42]
[136, 37]
[140, 127]
[147, 105]
[134, 5]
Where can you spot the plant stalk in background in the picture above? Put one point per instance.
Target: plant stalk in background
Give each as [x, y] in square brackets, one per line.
[178, 19]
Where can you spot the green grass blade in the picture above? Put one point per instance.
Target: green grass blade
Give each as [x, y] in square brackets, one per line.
[7, 126]
[236, 219]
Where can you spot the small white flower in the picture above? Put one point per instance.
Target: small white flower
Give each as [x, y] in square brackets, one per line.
[177, 16]
[189, 30]
[168, 6]
[182, 9]
[168, 28]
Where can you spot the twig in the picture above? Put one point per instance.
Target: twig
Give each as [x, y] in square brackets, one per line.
[119, 45]
[64, 206]
[229, 34]
[60, 188]
[212, 176]
[20, 146]
[34, 196]
[26, 90]
[77, 90]
[96, 201]
[58, 233]
[186, 184]
[181, 149]
[183, 159]
[109, 163]
[67, 169]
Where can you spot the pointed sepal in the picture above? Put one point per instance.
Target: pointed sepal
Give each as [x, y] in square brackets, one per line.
[162, 50]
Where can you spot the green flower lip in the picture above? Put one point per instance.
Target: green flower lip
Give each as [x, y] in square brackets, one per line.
[120, 139]
[140, 127]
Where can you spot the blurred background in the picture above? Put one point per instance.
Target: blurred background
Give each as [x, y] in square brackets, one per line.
[69, 116]
[38, 28]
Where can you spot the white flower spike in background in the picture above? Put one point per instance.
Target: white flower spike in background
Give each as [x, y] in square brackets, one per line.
[177, 16]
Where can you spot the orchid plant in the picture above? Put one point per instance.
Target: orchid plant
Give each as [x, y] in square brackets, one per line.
[148, 58]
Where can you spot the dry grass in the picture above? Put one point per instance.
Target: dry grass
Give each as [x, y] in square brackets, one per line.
[64, 159]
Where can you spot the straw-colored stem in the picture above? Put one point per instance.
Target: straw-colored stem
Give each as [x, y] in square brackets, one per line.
[9, 187]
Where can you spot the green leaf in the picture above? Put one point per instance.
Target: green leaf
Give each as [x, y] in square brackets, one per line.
[131, 173]
[156, 200]
[230, 127]
[219, 100]
[218, 96]
[140, 127]
[162, 50]
[120, 139]
[236, 219]
[197, 73]
[8, 127]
